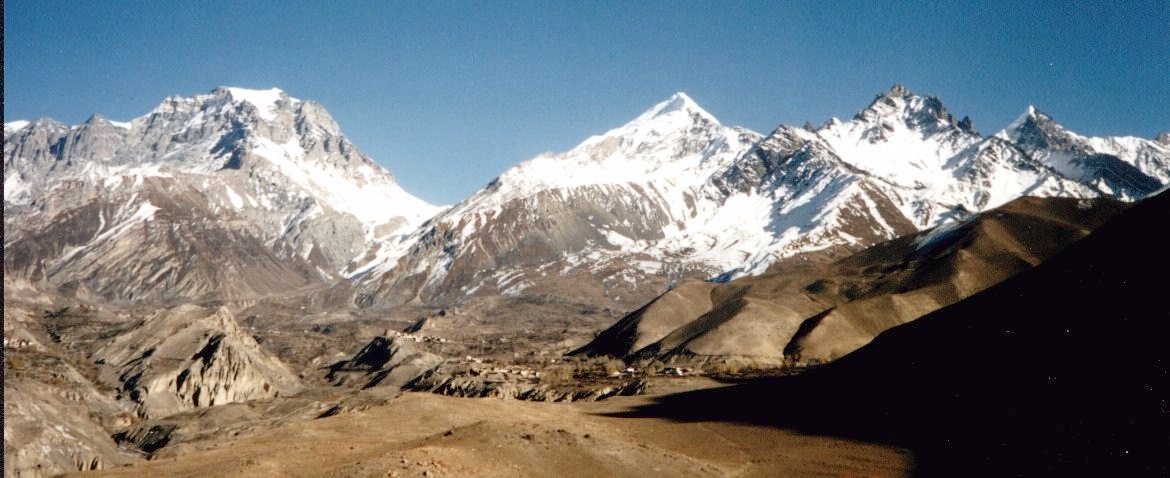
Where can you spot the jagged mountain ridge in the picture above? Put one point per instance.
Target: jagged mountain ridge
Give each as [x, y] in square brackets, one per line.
[233, 194]
[623, 213]
[120, 209]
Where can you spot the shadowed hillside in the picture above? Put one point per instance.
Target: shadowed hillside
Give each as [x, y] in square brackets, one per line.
[1060, 370]
[819, 312]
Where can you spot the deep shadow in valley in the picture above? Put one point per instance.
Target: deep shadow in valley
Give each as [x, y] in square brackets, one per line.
[1061, 370]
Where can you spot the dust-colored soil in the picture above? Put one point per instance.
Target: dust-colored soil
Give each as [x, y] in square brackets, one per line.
[421, 434]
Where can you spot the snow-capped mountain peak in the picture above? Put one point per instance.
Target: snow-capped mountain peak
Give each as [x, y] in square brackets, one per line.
[265, 101]
[614, 195]
[256, 163]
[1031, 115]
[901, 137]
[673, 136]
[899, 104]
[677, 104]
[890, 102]
[267, 105]
[1127, 167]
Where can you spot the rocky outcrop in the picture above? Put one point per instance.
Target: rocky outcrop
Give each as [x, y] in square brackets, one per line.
[161, 244]
[190, 357]
[384, 362]
[56, 418]
[73, 439]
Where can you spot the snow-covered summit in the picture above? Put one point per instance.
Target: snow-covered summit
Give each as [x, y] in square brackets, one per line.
[665, 142]
[901, 164]
[901, 137]
[265, 101]
[267, 104]
[679, 103]
[1032, 127]
[925, 113]
[280, 163]
[618, 192]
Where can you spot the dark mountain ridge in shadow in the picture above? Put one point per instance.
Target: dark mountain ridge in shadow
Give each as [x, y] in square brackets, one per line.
[1060, 370]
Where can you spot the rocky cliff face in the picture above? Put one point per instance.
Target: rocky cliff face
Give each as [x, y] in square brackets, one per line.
[234, 194]
[190, 357]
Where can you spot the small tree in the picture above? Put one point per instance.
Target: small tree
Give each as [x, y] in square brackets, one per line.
[614, 367]
[557, 374]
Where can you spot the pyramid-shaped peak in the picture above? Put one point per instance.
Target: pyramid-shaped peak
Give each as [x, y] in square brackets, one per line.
[677, 103]
[1034, 128]
[1031, 118]
[681, 96]
[1030, 113]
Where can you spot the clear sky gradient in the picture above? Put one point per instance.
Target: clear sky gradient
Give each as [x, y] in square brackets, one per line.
[447, 95]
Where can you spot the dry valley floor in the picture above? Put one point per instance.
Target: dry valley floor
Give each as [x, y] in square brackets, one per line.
[421, 434]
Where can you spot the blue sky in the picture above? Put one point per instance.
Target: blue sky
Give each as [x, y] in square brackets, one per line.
[447, 95]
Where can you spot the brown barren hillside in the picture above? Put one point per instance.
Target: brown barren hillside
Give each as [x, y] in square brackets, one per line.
[818, 312]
